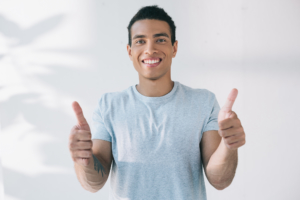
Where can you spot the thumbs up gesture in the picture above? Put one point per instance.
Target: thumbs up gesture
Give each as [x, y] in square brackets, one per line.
[80, 143]
[230, 128]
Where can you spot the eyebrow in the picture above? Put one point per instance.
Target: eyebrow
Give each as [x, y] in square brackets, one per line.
[154, 36]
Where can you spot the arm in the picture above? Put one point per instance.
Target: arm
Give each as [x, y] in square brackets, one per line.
[89, 156]
[219, 148]
[93, 176]
[219, 162]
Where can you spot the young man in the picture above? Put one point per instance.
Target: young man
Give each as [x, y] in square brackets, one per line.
[156, 135]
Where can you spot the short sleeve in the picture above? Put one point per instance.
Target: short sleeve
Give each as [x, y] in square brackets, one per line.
[98, 129]
[212, 122]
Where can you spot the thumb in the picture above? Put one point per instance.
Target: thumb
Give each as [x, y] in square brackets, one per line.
[226, 110]
[82, 123]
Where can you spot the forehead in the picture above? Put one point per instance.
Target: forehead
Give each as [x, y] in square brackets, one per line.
[150, 27]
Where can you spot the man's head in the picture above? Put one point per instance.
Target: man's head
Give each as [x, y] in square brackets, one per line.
[152, 39]
[152, 12]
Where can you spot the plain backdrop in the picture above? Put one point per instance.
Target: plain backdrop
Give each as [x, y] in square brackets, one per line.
[54, 52]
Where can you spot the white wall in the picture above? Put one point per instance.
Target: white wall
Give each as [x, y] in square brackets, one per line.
[55, 52]
[1, 175]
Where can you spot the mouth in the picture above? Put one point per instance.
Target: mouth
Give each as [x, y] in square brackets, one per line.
[153, 62]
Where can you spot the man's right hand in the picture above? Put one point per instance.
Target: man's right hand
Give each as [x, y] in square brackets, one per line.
[80, 143]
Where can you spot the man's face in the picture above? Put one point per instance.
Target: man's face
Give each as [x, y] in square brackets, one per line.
[150, 43]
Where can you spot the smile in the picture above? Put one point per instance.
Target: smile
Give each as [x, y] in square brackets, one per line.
[152, 62]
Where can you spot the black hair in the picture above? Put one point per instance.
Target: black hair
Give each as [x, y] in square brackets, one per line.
[152, 12]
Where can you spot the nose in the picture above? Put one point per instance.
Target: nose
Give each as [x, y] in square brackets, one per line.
[150, 48]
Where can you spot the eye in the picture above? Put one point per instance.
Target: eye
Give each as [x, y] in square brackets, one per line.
[161, 40]
[140, 41]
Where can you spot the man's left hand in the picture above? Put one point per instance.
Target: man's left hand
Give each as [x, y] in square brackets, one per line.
[230, 127]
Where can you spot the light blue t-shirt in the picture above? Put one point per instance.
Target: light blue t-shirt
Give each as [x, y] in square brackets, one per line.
[155, 141]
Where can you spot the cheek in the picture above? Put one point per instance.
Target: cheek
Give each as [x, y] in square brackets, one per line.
[169, 52]
[135, 54]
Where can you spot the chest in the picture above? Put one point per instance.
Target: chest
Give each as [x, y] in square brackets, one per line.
[154, 132]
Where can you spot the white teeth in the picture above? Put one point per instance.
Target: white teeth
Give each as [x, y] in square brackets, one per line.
[151, 61]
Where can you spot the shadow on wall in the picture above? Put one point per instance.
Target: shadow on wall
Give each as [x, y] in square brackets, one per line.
[11, 29]
[63, 82]
[46, 186]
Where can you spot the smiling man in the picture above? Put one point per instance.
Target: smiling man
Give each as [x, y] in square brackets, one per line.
[159, 135]
[151, 50]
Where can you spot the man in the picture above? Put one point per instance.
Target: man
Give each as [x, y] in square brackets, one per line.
[156, 135]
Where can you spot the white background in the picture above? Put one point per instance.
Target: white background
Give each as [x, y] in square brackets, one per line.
[55, 52]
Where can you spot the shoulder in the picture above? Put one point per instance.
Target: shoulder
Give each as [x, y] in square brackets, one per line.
[202, 94]
[109, 99]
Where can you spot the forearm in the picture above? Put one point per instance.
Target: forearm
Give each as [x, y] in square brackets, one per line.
[93, 176]
[222, 166]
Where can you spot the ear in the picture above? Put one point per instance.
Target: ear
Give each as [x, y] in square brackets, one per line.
[129, 51]
[175, 45]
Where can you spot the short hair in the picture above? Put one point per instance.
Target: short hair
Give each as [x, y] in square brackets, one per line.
[152, 12]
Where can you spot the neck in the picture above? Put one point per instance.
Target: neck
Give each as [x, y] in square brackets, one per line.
[155, 88]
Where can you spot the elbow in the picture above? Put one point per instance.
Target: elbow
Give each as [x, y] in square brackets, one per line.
[221, 185]
[96, 188]
[94, 191]
[93, 188]
[218, 186]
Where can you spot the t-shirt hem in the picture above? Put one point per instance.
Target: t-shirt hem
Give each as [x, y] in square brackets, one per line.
[106, 139]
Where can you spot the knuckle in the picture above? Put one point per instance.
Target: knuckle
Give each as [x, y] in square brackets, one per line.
[221, 133]
[89, 135]
[73, 129]
[89, 154]
[71, 137]
[85, 145]
[221, 124]
[80, 145]
[224, 134]
[86, 134]
[72, 145]
[243, 141]
[84, 154]
[227, 140]
[81, 154]
[240, 130]
[90, 144]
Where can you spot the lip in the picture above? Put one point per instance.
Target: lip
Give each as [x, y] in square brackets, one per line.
[154, 64]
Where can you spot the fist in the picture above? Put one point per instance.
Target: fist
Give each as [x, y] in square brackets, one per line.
[230, 127]
[80, 143]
